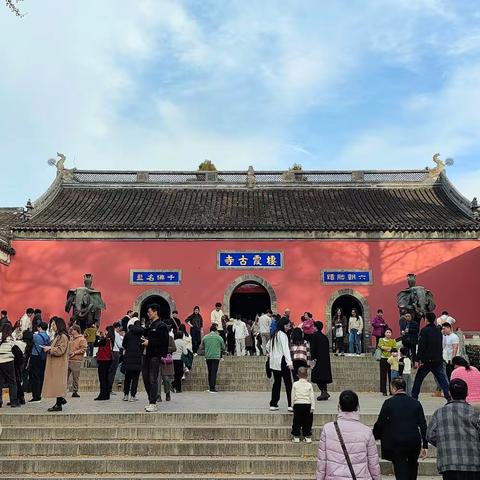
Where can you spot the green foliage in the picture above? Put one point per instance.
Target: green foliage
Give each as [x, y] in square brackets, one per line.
[296, 167]
[207, 166]
[473, 352]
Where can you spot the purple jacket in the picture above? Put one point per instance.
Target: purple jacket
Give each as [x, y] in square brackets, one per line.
[377, 329]
[361, 447]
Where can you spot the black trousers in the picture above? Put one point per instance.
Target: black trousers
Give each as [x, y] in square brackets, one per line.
[449, 369]
[7, 377]
[456, 475]
[296, 365]
[277, 385]
[150, 372]
[384, 374]
[19, 380]
[338, 344]
[103, 369]
[196, 339]
[302, 420]
[405, 463]
[130, 384]
[37, 374]
[113, 369]
[410, 342]
[177, 381]
[212, 366]
[437, 369]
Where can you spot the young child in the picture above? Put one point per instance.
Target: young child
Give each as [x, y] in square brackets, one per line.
[303, 400]
[405, 369]
[393, 362]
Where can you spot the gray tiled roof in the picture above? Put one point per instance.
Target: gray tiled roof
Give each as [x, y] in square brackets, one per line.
[314, 201]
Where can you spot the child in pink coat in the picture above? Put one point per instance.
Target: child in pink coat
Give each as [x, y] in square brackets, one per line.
[359, 442]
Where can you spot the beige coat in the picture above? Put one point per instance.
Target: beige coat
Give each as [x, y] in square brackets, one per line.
[56, 369]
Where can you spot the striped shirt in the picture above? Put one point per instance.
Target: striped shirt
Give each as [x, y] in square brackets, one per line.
[301, 352]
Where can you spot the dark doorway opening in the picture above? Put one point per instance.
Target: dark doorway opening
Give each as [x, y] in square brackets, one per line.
[248, 300]
[347, 303]
[159, 300]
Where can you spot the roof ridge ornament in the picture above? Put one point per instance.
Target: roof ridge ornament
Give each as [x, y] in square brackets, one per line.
[441, 165]
[60, 164]
[251, 178]
[475, 208]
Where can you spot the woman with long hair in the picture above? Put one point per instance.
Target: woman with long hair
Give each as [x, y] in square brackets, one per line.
[299, 351]
[339, 332]
[355, 329]
[105, 342]
[280, 363]
[7, 367]
[56, 367]
[471, 376]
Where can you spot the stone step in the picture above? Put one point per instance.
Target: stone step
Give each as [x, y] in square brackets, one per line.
[133, 420]
[174, 465]
[217, 448]
[178, 476]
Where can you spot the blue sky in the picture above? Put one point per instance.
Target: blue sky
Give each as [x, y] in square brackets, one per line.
[162, 84]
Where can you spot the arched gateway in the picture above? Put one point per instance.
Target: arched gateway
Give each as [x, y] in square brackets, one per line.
[249, 295]
[347, 299]
[158, 296]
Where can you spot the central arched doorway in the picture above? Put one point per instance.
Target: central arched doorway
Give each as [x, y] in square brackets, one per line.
[248, 300]
[165, 311]
[347, 303]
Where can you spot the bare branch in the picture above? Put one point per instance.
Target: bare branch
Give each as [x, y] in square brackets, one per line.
[12, 5]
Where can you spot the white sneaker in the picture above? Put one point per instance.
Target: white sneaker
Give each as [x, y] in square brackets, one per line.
[151, 408]
[183, 378]
[133, 399]
[308, 440]
[290, 409]
[295, 440]
[195, 354]
[125, 398]
[273, 409]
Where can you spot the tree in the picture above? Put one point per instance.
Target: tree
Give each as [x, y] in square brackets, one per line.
[13, 6]
[207, 166]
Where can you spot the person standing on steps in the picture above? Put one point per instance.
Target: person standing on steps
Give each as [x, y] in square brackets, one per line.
[132, 361]
[430, 357]
[178, 355]
[281, 365]
[347, 448]
[307, 326]
[195, 321]
[409, 331]
[167, 371]
[303, 400]
[216, 319]
[56, 367]
[7, 367]
[378, 326]
[355, 329]
[322, 370]
[402, 429]
[241, 333]
[451, 343]
[78, 347]
[116, 353]
[156, 344]
[386, 344]
[471, 376]
[104, 342]
[264, 325]
[455, 430]
[213, 346]
[38, 358]
[299, 351]
[339, 332]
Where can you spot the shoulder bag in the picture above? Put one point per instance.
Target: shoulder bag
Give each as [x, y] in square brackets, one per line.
[344, 448]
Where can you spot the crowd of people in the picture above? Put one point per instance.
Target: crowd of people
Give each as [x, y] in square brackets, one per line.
[44, 358]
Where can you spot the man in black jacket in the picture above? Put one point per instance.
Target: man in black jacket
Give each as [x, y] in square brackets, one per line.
[156, 343]
[402, 429]
[430, 357]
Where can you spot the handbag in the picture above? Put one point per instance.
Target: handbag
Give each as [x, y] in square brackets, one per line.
[344, 448]
[268, 370]
[168, 360]
[377, 354]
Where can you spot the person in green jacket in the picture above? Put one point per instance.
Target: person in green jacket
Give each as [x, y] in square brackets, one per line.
[213, 346]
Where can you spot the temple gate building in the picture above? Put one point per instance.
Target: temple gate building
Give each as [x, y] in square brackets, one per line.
[306, 240]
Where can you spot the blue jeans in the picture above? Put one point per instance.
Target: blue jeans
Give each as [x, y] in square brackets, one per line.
[354, 344]
[439, 373]
[393, 374]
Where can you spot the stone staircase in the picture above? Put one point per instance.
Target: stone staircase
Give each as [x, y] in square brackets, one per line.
[247, 374]
[179, 446]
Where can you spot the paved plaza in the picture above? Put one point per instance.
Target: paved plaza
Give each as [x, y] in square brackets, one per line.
[204, 402]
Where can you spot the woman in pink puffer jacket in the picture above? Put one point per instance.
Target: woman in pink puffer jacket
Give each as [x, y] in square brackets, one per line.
[359, 440]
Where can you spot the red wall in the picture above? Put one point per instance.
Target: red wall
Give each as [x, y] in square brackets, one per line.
[42, 271]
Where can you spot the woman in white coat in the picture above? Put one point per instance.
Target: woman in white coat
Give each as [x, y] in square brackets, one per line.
[281, 365]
